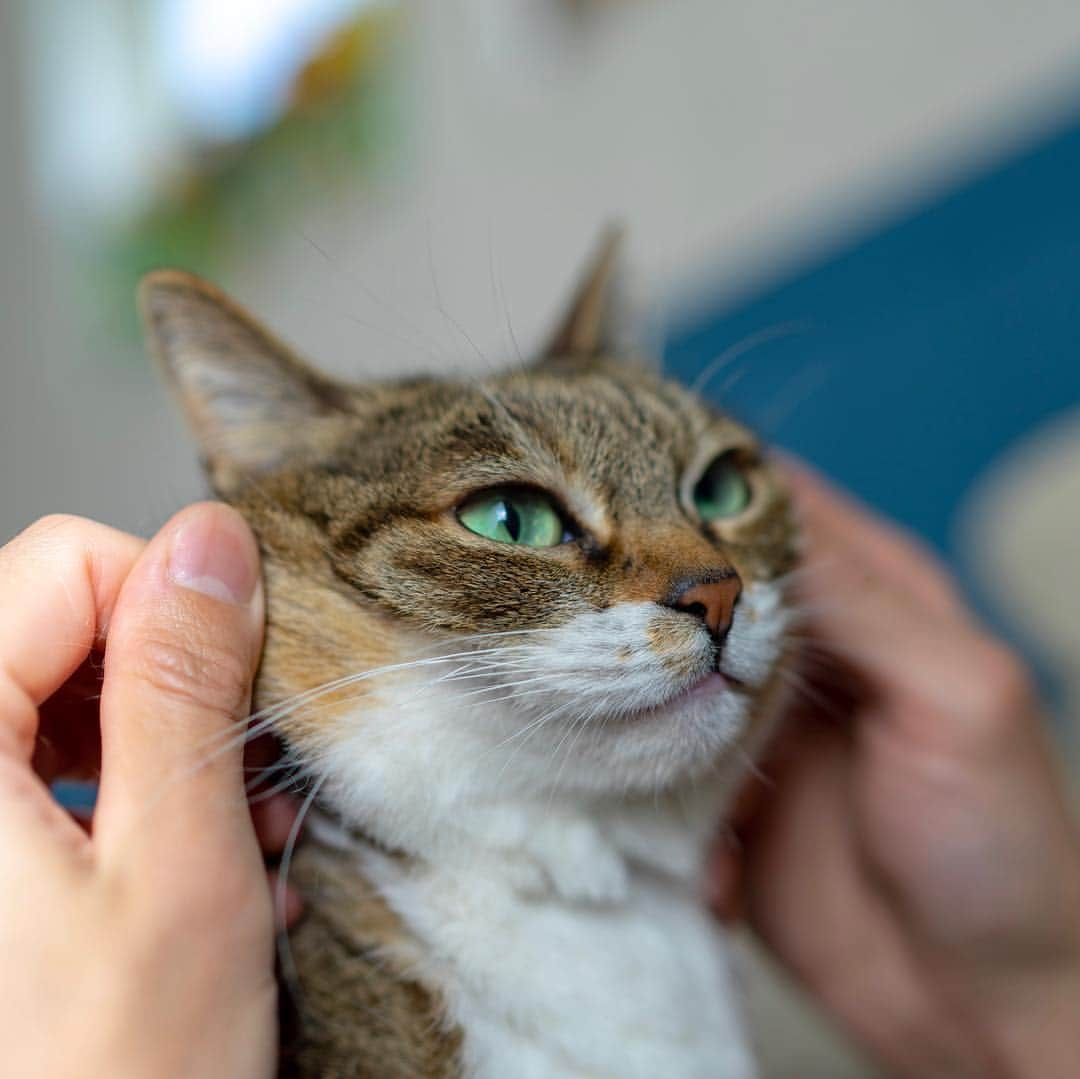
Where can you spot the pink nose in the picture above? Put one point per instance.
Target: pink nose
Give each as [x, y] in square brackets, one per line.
[713, 601]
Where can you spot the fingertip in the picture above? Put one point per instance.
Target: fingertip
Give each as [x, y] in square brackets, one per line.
[288, 903]
[274, 819]
[810, 490]
[212, 551]
[793, 466]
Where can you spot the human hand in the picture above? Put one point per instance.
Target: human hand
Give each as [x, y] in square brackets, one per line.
[912, 858]
[143, 945]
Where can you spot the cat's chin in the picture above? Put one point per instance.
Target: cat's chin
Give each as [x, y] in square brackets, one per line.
[705, 693]
[689, 734]
[708, 688]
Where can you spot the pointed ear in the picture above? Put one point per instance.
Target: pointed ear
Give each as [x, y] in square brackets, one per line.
[587, 330]
[249, 401]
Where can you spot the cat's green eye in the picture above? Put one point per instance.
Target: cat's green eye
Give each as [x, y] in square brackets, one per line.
[514, 515]
[723, 491]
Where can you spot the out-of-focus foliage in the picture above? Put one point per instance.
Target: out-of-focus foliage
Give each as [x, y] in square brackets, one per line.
[338, 127]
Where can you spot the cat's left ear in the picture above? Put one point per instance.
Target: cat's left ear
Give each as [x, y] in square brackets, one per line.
[589, 328]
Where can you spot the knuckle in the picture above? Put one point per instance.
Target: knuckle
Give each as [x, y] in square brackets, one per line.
[57, 524]
[60, 535]
[56, 531]
[20, 717]
[195, 674]
[18, 782]
[1005, 691]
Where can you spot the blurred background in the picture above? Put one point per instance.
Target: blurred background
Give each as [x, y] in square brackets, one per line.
[862, 218]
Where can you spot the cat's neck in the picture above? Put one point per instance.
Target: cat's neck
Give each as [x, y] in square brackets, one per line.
[569, 850]
[436, 797]
[531, 925]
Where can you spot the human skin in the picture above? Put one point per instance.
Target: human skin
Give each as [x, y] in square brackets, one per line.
[912, 858]
[144, 945]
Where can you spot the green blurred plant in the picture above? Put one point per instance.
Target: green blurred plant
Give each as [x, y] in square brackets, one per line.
[340, 121]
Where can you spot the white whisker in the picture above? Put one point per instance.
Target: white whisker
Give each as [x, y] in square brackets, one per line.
[285, 954]
[288, 782]
[744, 345]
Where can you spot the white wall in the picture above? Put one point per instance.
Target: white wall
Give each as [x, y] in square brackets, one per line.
[732, 138]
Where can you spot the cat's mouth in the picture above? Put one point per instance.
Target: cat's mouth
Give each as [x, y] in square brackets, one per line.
[715, 684]
[711, 687]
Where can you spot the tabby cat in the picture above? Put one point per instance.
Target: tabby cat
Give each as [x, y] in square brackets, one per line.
[524, 634]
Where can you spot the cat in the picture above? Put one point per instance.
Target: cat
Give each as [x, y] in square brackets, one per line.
[524, 634]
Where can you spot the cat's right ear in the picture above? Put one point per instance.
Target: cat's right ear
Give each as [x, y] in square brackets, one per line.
[249, 400]
[588, 328]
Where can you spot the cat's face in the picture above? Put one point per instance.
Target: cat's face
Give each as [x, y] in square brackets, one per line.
[564, 575]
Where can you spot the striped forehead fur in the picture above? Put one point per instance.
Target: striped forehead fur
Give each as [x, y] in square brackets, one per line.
[611, 443]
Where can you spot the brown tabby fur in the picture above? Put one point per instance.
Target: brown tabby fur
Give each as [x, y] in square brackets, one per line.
[364, 1016]
[352, 491]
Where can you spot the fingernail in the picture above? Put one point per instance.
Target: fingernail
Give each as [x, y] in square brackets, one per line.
[212, 553]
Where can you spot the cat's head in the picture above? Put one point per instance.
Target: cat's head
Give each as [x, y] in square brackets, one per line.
[567, 573]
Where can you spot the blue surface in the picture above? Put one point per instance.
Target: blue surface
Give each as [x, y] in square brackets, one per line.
[925, 349]
[931, 346]
[76, 796]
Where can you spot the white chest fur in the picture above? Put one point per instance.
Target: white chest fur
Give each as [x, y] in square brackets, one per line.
[545, 987]
[552, 877]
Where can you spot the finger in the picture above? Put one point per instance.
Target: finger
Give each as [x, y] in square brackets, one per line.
[937, 679]
[181, 654]
[274, 819]
[725, 874]
[37, 837]
[809, 898]
[59, 579]
[288, 907]
[272, 814]
[888, 550]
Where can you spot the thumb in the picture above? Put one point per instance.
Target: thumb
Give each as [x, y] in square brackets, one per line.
[180, 657]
